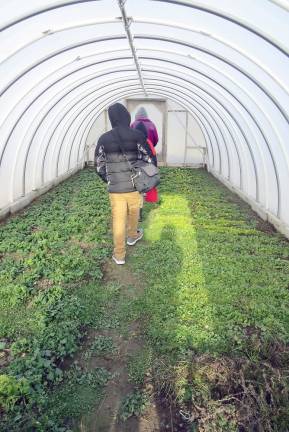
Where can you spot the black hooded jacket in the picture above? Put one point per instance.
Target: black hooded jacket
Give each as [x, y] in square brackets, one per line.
[111, 164]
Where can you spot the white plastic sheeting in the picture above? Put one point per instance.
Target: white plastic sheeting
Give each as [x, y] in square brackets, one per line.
[226, 62]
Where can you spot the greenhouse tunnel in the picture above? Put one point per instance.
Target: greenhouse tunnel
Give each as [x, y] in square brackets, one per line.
[217, 70]
[187, 330]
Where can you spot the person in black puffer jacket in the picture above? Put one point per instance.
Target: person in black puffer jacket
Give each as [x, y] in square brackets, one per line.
[113, 167]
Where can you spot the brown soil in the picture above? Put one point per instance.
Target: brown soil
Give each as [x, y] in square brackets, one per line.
[105, 416]
[264, 226]
[159, 416]
[5, 358]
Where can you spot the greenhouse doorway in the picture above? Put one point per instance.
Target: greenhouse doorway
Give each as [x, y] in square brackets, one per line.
[156, 110]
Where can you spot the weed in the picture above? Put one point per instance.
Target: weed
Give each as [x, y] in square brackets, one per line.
[101, 346]
[134, 404]
[139, 366]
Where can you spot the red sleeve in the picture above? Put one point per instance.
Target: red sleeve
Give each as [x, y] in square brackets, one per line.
[153, 150]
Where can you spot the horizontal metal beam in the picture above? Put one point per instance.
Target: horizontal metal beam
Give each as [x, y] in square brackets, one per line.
[127, 22]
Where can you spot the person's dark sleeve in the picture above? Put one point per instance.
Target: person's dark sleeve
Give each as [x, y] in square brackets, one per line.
[100, 161]
[155, 135]
[144, 149]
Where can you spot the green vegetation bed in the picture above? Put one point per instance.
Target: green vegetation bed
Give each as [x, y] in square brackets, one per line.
[214, 312]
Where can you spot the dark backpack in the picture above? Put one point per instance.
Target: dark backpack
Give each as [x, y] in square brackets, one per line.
[144, 175]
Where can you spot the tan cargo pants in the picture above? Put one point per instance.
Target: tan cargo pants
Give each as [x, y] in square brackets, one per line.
[125, 213]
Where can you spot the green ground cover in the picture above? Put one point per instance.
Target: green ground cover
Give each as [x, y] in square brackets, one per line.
[215, 307]
[213, 311]
[51, 256]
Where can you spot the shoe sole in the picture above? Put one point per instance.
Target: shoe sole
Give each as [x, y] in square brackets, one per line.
[118, 263]
[136, 240]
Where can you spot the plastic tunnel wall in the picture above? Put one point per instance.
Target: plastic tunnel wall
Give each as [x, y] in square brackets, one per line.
[64, 61]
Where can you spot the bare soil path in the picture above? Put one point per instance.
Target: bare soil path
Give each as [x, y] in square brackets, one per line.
[128, 341]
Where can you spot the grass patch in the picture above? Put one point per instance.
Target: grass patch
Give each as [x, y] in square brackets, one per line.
[216, 286]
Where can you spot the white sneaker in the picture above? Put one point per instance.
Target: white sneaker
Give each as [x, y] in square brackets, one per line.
[132, 241]
[118, 262]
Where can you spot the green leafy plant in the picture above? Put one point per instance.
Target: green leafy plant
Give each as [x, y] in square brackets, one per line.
[46, 252]
[12, 391]
[134, 404]
[101, 345]
[139, 365]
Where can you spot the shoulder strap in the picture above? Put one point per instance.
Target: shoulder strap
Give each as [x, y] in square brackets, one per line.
[119, 140]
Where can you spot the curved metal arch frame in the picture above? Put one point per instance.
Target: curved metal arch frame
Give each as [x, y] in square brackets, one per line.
[55, 104]
[87, 130]
[210, 79]
[43, 92]
[265, 140]
[42, 119]
[159, 38]
[230, 115]
[71, 147]
[243, 90]
[205, 109]
[71, 122]
[112, 100]
[113, 83]
[194, 114]
[254, 121]
[159, 94]
[90, 65]
[67, 112]
[225, 125]
[163, 94]
[135, 86]
[221, 41]
[182, 65]
[179, 3]
[61, 51]
[74, 104]
[252, 118]
[87, 65]
[172, 96]
[225, 60]
[176, 84]
[114, 59]
[158, 23]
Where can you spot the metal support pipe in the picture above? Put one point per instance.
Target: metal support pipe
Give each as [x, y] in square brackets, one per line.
[127, 22]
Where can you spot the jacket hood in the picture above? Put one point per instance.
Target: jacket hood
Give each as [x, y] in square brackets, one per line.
[119, 115]
[141, 112]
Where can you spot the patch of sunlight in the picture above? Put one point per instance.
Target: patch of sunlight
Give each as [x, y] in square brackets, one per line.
[174, 214]
[192, 320]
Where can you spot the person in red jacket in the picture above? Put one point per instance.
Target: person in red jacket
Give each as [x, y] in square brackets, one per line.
[151, 195]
